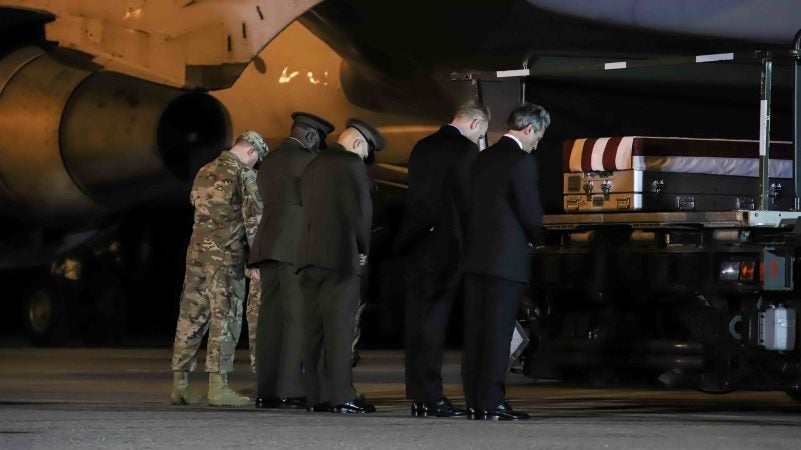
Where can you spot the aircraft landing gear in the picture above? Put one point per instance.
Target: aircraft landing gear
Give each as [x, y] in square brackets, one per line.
[83, 293]
[47, 311]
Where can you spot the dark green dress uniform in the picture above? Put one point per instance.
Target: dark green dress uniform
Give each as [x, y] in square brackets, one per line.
[280, 320]
[336, 197]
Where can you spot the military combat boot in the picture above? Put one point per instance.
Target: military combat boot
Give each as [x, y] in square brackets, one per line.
[181, 395]
[221, 395]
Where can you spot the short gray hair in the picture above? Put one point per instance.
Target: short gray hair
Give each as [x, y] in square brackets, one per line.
[529, 114]
[474, 109]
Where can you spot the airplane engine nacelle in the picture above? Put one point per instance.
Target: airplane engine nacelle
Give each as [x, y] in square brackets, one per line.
[76, 142]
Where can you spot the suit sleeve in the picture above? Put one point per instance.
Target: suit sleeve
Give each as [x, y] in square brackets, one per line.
[526, 197]
[420, 211]
[461, 183]
[251, 204]
[358, 207]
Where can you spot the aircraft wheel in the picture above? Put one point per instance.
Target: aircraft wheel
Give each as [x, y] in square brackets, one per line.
[47, 313]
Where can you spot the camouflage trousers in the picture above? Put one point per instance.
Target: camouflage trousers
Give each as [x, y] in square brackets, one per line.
[211, 302]
[252, 315]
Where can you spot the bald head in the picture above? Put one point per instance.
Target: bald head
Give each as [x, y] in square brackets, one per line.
[472, 119]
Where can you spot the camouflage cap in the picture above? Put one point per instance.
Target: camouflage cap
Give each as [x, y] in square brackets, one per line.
[253, 138]
[375, 140]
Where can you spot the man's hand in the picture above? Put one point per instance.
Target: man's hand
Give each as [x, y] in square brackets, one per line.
[255, 276]
[362, 259]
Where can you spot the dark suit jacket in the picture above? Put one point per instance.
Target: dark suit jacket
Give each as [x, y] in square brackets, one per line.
[336, 196]
[505, 213]
[283, 219]
[437, 199]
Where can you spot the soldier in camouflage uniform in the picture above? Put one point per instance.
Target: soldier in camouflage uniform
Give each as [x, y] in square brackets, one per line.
[227, 212]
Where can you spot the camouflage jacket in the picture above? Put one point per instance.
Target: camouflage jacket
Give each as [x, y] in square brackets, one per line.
[228, 209]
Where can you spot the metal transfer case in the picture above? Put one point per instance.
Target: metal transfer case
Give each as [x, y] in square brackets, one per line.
[671, 174]
[638, 190]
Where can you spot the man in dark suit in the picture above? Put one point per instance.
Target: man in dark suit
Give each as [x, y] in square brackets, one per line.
[336, 194]
[505, 216]
[431, 235]
[279, 334]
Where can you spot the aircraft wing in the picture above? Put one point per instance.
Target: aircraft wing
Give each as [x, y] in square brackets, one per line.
[202, 44]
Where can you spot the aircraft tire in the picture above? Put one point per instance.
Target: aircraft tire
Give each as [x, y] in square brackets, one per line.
[46, 312]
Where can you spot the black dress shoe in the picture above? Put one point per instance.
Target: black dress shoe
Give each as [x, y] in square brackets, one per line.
[445, 408]
[503, 412]
[268, 402]
[293, 403]
[474, 414]
[320, 407]
[441, 408]
[354, 406]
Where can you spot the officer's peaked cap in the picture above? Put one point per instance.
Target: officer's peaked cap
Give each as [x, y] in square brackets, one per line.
[374, 138]
[318, 123]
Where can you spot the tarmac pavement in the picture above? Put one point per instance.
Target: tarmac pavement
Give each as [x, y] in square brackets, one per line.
[117, 398]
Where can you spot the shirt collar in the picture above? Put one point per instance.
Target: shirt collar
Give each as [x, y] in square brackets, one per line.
[520, 144]
[298, 141]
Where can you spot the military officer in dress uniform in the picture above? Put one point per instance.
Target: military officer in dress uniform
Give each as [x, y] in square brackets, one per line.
[227, 211]
[505, 216]
[432, 237]
[336, 195]
[279, 336]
